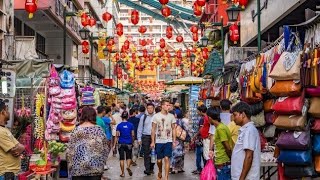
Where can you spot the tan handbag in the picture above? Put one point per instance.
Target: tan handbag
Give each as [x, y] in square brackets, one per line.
[259, 119]
[283, 70]
[267, 104]
[293, 122]
[286, 88]
[314, 109]
[317, 163]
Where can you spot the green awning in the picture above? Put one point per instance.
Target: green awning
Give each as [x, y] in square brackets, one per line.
[214, 64]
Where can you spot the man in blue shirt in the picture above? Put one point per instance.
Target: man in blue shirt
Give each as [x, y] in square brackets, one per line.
[125, 135]
[135, 121]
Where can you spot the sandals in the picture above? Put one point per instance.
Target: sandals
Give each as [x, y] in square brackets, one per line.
[122, 175]
[129, 171]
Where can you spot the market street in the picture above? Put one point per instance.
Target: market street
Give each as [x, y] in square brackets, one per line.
[114, 170]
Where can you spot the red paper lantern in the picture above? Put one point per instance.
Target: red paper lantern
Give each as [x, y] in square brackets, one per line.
[160, 53]
[193, 67]
[151, 67]
[169, 29]
[189, 53]
[201, 2]
[126, 44]
[106, 16]
[158, 61]
[119, 28]
[243, 3]
[144, 53]
[205, 55]
[197, 10]
[31, 7]
[123, 55]
[117, 56]
[142, 42]
[195, 37]
[162, 43]
[92, 21]
[182, 72]
[111, 42]
[179, 38]
[205, 49]
[234, 33]
[85, 47]
[166, 11]
[194, 29]
[84, 19]
[109, 48]
[169, 35]
[142, 29]
[163, 2]
[135, 17]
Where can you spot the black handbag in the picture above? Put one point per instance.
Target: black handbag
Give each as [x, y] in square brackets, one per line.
[299, 171]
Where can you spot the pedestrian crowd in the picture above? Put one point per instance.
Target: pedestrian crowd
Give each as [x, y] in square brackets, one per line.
[158, 132]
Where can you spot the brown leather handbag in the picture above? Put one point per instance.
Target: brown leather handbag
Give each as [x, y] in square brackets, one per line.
[286, 88]
[267, 104]
[317, 163]
[314, 109]
[293, 122]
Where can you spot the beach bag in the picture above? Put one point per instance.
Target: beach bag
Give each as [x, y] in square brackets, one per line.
[313, 92]
[286, 88]
[209, 171]
[66, 79]
[289, 105]
[287, 67]
[314, 109]
[293, 122]
[315, 127]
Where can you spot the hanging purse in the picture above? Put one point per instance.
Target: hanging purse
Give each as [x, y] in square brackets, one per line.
[269, 131]
[283, 71]
[316, 144]
[317, 163]
[269, 117]
[267, 105]
[295, 157]
[286, 88]
[293, 122]
[294, 172]
[258, 119]
[294, 140]
[314, 109]
[289, 105]
[255, 77]
[315, 127]
[313, 92]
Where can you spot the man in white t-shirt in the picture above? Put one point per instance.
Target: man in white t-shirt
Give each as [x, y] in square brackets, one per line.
[246, 155]
[162, 135]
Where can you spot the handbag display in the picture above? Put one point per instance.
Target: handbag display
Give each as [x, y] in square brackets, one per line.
[316, 143]
[258, 120]
[247, 94]
[286, 88]
[269, 117]
[315, 127]
[286, 70]
[255, 77]
[294, 172]
[269, 131]
[289, 105]
[293, 122]
[314, 109]
[295, 157]
[294, 140]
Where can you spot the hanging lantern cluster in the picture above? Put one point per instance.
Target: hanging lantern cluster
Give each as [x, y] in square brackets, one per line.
[85, 47]
[162, 43]
[31, 7]
[163, 2]
[234, 33]
[197, 9]
[166, 11]
[179, 38]
[169, 33]
[142, 42]
[119, 28]
[135, 17]
[194, 31]
[106, 16]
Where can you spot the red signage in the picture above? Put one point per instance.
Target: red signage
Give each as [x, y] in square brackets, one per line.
[107, 82]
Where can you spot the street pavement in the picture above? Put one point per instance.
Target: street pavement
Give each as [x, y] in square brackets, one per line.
[114, 170]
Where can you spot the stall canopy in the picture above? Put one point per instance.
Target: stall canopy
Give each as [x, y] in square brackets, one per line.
[177, 88]
[214, 64]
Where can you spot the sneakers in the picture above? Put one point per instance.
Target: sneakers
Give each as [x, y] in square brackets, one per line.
[196, 172]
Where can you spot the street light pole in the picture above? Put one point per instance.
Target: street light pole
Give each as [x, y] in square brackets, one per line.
[259, 25]
[64, 34]
[222, 42]
[91, 57]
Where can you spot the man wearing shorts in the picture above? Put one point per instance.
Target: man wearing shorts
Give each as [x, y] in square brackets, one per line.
[162, 136]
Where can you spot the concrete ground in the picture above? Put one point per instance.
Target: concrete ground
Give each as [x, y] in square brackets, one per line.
[114, 170]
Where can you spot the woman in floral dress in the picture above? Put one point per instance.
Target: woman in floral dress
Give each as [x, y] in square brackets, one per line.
[87, 148]
[178, 153]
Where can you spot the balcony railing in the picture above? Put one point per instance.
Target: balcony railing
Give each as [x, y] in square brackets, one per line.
[72, 23]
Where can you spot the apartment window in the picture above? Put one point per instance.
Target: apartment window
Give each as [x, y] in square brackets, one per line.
[40, 43]
[17, 27]
[28, 31]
